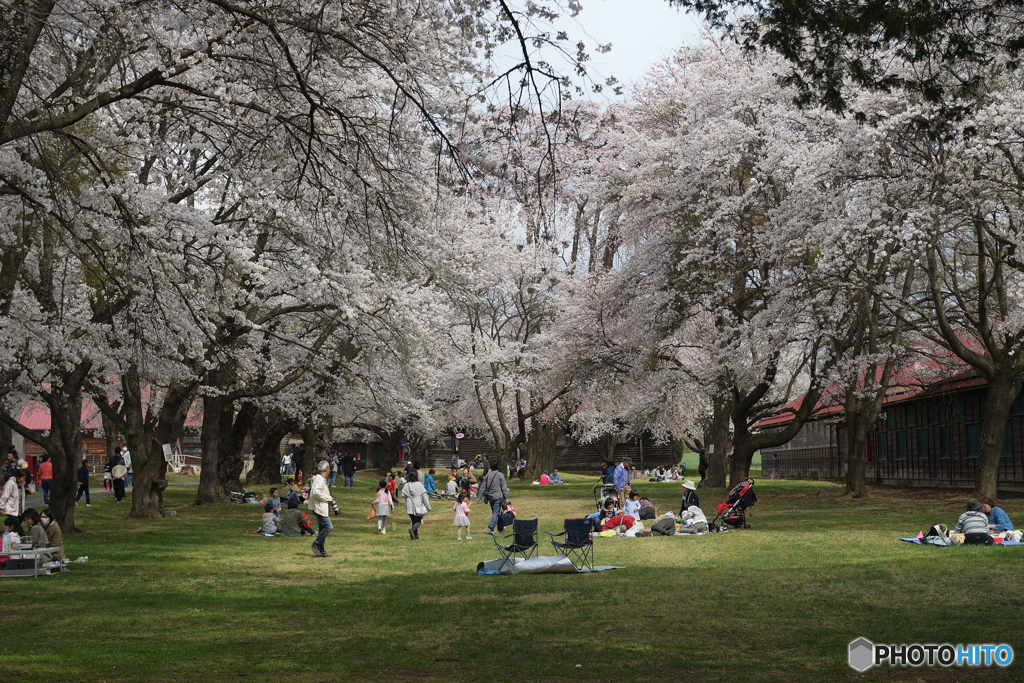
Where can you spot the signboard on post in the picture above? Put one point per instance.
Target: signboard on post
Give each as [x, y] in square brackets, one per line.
[711, 448]
[167, 452]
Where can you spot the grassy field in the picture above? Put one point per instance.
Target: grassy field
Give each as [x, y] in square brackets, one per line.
[191, 597]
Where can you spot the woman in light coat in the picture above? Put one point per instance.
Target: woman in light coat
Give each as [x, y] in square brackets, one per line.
[10, 501]
[417, 505]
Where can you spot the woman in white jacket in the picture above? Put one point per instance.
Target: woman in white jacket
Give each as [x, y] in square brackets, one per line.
[10, 501]
[417, 505]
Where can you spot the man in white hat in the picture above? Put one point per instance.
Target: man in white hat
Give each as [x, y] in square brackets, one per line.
[689, 495]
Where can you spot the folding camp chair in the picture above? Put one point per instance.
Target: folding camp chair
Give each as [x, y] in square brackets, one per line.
[524, 543]
[578, 545]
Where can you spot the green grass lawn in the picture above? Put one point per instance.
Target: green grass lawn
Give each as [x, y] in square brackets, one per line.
[192, 598]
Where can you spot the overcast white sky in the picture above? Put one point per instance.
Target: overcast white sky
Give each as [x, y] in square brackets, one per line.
[641, 32]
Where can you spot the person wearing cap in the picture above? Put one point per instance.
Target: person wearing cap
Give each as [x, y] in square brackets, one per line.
[117, 473]
[689, 495]
[319, 499]
[622, 479]
[973, 524]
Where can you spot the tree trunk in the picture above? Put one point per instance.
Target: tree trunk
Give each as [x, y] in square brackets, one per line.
[390, 441]
[310, 435]
[540, 449]
[6, 439]
[743, 449]
[65, 449]
[269, 428]
[151, 474]
[718, 436]
[209, 489]
[998, 402]
[19, 31]
[110, 429]
[231, 461]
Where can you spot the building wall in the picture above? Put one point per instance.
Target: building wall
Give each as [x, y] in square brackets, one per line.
[933, 440]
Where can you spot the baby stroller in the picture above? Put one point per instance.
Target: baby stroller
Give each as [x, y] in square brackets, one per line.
[733, 511]
[603, 492]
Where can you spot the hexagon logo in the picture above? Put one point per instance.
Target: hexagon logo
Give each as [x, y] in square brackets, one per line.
[862, 654]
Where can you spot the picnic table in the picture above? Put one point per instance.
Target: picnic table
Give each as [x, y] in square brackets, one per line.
[33, 554]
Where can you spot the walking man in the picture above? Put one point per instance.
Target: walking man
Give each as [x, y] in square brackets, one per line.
[83, 483]
[493, 489]
[319, 499]
[623, 479]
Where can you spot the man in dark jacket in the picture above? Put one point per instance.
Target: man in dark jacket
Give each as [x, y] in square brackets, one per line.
[486, 465]
[83, 483]
[702, 466]
[348, 468]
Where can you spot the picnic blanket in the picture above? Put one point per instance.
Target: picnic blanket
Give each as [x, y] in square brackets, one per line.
[546, 564]
[921, 541]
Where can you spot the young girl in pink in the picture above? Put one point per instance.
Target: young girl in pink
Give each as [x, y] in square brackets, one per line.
[384, 506]
[462, 516]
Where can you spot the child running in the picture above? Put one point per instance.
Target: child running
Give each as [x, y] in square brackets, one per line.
[462, 516]
[383, 501]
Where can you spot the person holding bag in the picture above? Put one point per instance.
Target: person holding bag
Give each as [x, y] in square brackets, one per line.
[417, 505]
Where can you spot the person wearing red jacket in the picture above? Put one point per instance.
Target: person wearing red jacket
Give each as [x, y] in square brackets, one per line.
[45, 474]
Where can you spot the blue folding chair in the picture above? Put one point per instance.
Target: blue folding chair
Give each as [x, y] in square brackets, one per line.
[524, 542]
[578, 545]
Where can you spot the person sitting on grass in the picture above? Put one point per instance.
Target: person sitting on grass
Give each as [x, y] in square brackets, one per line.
[453, 485]
[545, 479]
[647, 510]
[54, 537]
[632, 506]
[36, 532]
[997, 518]
[429, 484]
[689, 495]
[294, 522]
[556, 478]
[270, 520]
[291, 490]
[974, 525]
[274, 499]
[698, 522]
[12, 532]
[612, 518]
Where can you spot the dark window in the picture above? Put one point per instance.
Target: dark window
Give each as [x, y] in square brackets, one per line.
[901, 445]
[912, 416]
[922, 443]
[944, 442]
[1008, 439]
[1018, 403]
[933, 414]
[959, 410]
[982, 400]
[883, 446]
[890, 418]
[973, 440]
